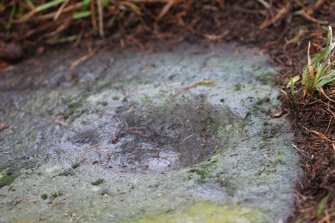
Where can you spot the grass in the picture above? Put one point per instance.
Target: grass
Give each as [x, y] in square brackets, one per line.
[55, 19]
[318, 76]
[322, 206]
[309, 98]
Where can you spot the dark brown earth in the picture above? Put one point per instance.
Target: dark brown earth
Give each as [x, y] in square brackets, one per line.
[282, 28]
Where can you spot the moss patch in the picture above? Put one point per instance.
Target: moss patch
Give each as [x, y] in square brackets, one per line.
[6, 179]
[44, 196]
[208, 212]
[203, 169]
[97, 182]
[266, 78]
[56, 194]
[67, 172]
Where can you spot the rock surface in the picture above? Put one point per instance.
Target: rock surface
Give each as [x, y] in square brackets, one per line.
[172, 135]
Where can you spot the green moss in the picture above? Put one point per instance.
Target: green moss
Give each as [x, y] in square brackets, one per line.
[200, 172]
[256, 67]
[104, 103]
[203, 169]
[104, 193]
[280, 161]
[98, 182]
[208, 212]
[266, 123]
[189, 177]
[66, 99]
[65, 173]
[208, 121]
[238, 87]
[299, 220]
[230, 130]
[76, 165]
[44, 196]
[56, 194]
[73, 108]
[266, 78]
[208, 164]
[6, 179]
[269, 133]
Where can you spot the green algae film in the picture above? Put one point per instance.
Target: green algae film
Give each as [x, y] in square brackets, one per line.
[6, 179]
[203, 212]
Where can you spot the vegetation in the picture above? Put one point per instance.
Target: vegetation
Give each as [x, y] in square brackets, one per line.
[310, 102]
[56, 18]
[44, 196]
[56, 195]
[6, 179]
[282, 27]
[98, 182]
[319, 74]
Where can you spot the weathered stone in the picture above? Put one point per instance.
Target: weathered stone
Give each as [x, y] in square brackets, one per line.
[179, 135]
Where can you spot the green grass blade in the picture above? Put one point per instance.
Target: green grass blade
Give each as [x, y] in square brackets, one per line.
[86, 4]
[322, 205]
[80, 15]
[11, 16]
[322, 56]
[321, 69]
[330, 37]
[308, 83]
[326, 80]
[292, 87]
[49, 5]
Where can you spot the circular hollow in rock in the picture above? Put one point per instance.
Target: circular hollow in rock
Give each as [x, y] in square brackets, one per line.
[155, 139]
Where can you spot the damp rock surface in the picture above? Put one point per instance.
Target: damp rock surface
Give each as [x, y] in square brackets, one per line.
[177, 134]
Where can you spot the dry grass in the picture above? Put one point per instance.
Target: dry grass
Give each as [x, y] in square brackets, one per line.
[57, 21]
